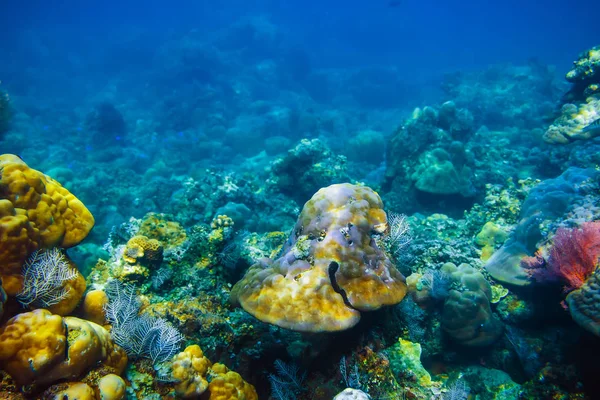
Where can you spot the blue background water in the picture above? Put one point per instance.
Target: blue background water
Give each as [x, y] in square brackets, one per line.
[92, 40]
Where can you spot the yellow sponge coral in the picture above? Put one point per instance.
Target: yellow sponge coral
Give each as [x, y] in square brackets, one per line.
[143, 250]
[229, 385]
[70, 391]
[35, 212]
[189, 371]
[93, 306]
[38, 347]
[111, 387]
[331, 267]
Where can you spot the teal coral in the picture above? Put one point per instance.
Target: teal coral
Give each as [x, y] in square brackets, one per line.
[467, 317]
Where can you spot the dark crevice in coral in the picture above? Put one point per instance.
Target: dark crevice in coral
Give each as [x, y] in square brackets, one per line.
[333, 268]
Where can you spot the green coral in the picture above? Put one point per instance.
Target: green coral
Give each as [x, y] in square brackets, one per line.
[438, 173]
[405, 358]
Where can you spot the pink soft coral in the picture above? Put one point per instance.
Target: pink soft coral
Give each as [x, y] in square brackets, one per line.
[574, 254]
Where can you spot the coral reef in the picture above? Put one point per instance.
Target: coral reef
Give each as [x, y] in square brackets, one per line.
[329, 270]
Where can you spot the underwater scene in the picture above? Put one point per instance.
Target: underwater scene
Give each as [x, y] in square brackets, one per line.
[286, 200]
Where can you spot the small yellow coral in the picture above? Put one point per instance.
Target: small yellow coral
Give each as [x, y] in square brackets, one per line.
[143, 250]
[35, 212]
[189, 372]
[221, 221]
[111, 387]
[93, 306]
[229, 385]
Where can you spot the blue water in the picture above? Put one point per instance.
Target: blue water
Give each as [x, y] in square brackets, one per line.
[197, 109]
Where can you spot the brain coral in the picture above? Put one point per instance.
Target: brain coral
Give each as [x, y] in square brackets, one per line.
[331, 267]
[35, 212]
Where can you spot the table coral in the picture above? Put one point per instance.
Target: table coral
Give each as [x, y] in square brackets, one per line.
[35, 212]
[39, 347]
[330, 269]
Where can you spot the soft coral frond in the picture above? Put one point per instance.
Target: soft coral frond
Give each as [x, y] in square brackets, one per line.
[574, 254]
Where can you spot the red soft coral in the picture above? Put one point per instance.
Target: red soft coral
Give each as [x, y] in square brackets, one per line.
[574, 254]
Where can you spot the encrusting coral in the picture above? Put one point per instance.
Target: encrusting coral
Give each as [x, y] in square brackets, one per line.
[330, 269]
[35, 212]
[38, 348]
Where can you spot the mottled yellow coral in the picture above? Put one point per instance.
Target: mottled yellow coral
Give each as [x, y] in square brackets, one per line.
[111, 387]
[229, 385]
[31, 344]
[38, 347]
[71, 391]
[93, 306]
[158, 226]
[221, 221]
[143, 250]
[189, 372]
[572, 123]
[331, 267]
[35, 212]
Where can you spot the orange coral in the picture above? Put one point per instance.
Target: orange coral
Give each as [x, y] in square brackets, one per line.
[35, 212]
[331, 267]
